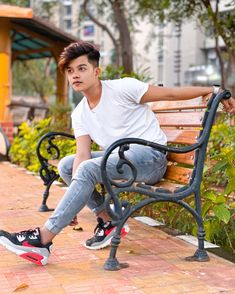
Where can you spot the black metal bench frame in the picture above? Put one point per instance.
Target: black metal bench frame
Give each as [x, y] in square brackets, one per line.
[4, 155]
[120, 210]
[47, 171]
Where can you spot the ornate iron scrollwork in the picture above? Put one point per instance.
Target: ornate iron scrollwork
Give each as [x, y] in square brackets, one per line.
[46, 171]
[122, 210]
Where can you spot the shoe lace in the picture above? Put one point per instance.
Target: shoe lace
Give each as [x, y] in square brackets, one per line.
[27, 233]
[99, 226]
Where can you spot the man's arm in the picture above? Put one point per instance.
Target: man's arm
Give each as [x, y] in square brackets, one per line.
[155, 93]
[83, 150]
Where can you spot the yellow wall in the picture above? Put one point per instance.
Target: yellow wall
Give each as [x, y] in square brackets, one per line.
[5, 72]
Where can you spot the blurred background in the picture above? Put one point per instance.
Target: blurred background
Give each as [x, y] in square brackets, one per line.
[174, 43]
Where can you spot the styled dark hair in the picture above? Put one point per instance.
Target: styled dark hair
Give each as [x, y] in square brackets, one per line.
[78, 49]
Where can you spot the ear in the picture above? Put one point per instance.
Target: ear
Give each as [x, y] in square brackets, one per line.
[97, 71]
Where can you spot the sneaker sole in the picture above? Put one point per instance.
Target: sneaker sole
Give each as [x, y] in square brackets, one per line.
[108, 241]
[29, 253]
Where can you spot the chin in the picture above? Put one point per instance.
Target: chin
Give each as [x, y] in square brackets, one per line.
[79, 88]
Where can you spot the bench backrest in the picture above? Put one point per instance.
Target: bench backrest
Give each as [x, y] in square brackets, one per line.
[182, 122]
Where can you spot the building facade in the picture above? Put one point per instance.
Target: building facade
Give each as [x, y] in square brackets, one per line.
[173, 55]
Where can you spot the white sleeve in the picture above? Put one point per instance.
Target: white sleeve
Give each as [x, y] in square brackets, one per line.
[78, 126]
[78, 130]
[133, 89]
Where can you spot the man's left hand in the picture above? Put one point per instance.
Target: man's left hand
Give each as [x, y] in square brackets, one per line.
[229, 105]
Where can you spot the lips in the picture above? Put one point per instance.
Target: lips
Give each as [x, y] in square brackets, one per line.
[77, 83]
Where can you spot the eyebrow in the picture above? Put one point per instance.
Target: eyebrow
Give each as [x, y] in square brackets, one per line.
[82, 64]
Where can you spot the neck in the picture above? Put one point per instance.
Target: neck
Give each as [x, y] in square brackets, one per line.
[93, 94]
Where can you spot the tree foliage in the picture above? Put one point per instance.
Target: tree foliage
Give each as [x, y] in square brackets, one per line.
[221, 23]
[21, 3]
[206, 11]
[33, 77]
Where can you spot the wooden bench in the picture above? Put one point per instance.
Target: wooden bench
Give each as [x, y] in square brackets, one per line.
[187, 125]
[4, 145]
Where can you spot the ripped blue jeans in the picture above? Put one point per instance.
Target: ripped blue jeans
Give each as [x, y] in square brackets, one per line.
[150, 164]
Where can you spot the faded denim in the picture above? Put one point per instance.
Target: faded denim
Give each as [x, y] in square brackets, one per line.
[151, 166]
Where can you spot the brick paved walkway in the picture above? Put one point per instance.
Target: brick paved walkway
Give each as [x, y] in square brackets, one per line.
[156, 259]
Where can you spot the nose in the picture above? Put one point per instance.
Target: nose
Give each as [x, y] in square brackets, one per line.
[75, 74]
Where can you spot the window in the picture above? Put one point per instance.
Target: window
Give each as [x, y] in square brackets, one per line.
[68, 10]
[88, 30]
[67, 2]
[67, 24]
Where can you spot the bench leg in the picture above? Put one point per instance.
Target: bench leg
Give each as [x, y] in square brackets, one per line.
[44, 207]
[200, 254]
[112, 264]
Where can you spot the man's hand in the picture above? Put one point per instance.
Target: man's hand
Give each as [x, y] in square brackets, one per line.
[74, 221]
[229, 105]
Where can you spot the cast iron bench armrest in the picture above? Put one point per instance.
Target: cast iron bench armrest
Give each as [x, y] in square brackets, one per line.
[123, 144]
[120, 210]
[47, 170]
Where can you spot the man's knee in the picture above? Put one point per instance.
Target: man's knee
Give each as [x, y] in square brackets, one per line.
[89, 169]
[65, 166]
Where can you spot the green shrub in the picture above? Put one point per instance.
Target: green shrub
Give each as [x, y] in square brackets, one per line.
[110, 72]
[60, 114]
[23, 149]
[218, 187]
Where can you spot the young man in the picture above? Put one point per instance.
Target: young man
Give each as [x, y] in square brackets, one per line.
[110, 110]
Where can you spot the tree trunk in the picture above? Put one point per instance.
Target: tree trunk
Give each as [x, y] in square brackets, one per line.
[218, 50]
[230, 74]
[123, 46]
[104, 28]
[221, 62]
[125, 37]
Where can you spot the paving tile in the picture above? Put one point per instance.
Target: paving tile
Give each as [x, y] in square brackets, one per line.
[156, 260]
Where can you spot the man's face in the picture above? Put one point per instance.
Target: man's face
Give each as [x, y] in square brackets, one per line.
[81, 74]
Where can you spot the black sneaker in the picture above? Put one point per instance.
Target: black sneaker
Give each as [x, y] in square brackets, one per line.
[103, 235]
[27, 244]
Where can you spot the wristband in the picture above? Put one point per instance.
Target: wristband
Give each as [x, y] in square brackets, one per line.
[216, 89]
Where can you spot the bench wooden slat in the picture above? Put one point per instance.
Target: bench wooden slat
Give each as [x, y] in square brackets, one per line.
[187, 158]
[179, 109]
[168, 185]
[178, 174]
[180, 119]
[196, 103]
[181, 136]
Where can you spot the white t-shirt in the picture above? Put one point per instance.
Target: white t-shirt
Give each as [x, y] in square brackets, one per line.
[118, 115]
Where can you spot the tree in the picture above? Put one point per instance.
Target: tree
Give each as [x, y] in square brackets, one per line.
[123, 42]
[33, 77]
[209, 16]
[224, 27]
[21, 3]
